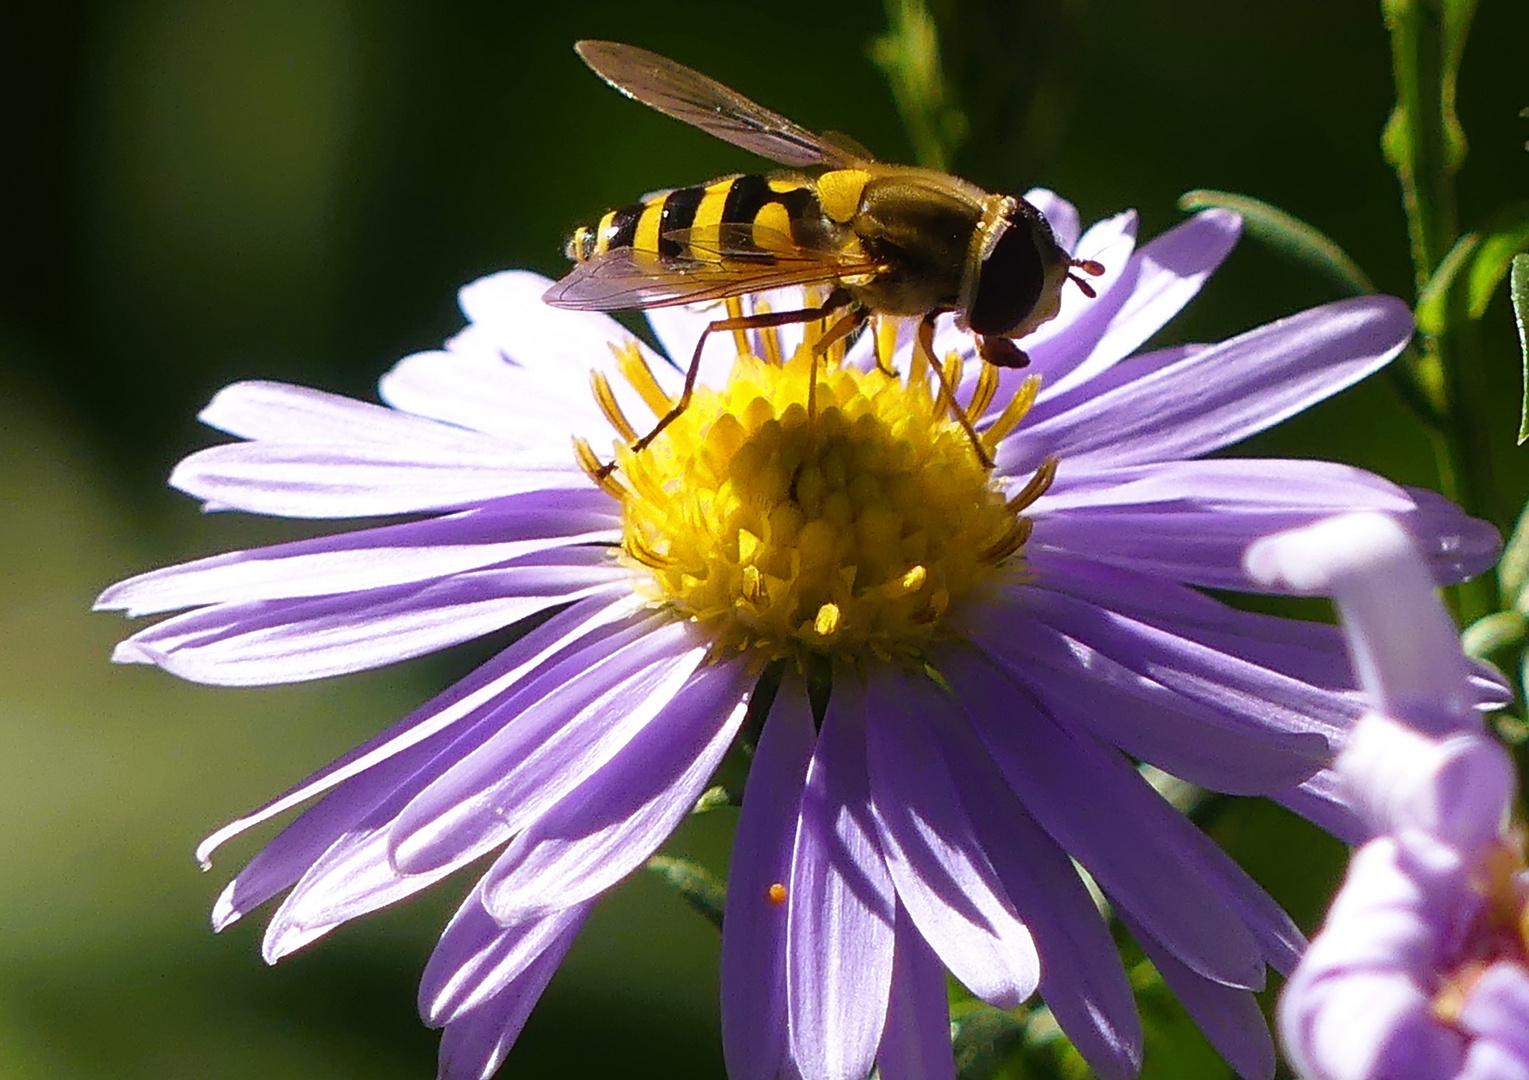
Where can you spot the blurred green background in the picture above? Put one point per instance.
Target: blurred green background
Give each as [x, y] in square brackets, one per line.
[197, 192]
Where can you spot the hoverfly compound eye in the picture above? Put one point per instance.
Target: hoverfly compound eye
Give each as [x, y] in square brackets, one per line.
[1011, 280]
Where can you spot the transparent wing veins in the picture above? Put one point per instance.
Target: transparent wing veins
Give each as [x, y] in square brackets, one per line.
[692, 98]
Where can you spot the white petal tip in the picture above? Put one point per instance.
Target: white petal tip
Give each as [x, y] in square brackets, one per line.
[1316, 559]
[284, 939]
[1229, 220]
[224, 914]
[130, 652]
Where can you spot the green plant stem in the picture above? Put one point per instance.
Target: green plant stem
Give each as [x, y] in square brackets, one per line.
[909, 55]
[1424, 144]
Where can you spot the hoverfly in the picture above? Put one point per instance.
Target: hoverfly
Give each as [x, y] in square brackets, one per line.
[884, 239]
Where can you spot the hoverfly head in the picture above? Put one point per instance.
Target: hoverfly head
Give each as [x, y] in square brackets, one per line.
[1019, 284]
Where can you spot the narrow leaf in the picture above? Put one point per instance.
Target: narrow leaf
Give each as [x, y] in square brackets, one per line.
[1289, 234]
[696, 885]
[1433, 302]
[1506, 234]
[1492, 634]
[1518, 286]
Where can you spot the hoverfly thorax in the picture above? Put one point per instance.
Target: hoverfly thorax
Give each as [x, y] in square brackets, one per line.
[919, 226]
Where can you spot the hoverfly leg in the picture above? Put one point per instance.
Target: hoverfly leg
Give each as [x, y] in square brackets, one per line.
[925, 339]
[846, 326]
[1002, 352]
[837, 299]
[852, 321]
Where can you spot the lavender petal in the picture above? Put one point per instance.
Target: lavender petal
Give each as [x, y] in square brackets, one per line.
[1192, 521]
[754, 926]
[1261, 377]
[581, 625]
[1322, 800]
[1305, 651]
[1161, 277]
[570, 723]
[841, 906]
[1229, 1017]
[356, 875]
[476, 958]
[1188, 738]
[282, 641]
[366, 559]
[520, 370]
[1497, 1009]
[604, 828]
[475, 1043]
[915, 1044]
[1262, 699]
[299, 416]
[1140, 855]
[944, 880]
[1081, 977]
[338, 852]
[1459, 788]
[302, 480]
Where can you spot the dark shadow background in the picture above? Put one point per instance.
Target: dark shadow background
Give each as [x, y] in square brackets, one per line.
[197, 192]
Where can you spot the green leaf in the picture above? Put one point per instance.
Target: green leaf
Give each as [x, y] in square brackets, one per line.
[983, 1039]
[1433, 302]
[1175, 1048]
[1289, 234]
[1506, 234]
[696, 885]
[1518, 287]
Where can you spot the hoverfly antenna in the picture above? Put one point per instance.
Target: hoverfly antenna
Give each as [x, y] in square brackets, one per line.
[1091, 267]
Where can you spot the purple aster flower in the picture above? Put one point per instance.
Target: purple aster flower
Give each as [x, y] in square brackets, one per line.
[1420, 970]
[1001, 646]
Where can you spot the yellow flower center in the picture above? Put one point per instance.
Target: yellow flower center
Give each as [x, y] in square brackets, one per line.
[850, 520]
[1499, 931]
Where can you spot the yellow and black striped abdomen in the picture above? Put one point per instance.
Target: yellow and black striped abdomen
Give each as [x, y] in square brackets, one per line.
[779, 210]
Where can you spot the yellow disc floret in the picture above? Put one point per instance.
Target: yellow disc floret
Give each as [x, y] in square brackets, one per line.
[848, 518]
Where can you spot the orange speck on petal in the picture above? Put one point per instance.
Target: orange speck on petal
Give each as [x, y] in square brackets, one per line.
[777, 894]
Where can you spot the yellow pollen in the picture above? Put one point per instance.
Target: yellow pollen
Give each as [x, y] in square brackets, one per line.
[853, 529]
[1499, 931]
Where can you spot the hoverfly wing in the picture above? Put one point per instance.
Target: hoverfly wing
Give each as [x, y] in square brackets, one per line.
[848, 148]
[692, 98]
[614, 280]
[719, 266]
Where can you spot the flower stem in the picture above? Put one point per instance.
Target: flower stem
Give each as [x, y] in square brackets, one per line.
[909, 55]
[1424, 143]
